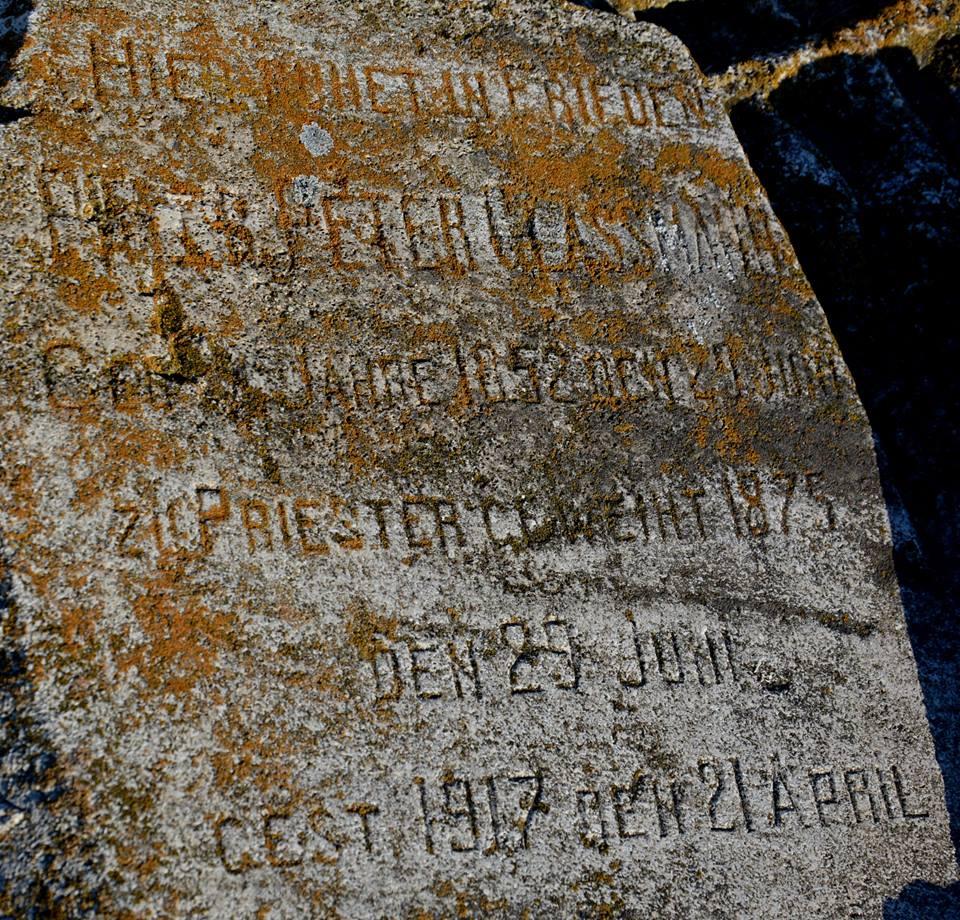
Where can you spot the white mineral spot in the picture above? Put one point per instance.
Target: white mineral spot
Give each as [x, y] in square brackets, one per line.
[305, 190]
[317, 140]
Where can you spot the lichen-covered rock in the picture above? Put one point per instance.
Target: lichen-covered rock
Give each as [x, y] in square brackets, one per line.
[429, 486]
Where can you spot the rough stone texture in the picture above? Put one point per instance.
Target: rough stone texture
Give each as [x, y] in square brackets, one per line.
[854, 131]
[429, 484]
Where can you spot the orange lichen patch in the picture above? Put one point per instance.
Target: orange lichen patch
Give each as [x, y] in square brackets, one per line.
[441, 333]
[246, 756]
[360, 151]
[290, 104]
[168, 314]
[114, 450]
[197, 258]
[727, 428]
[366, 629]
[360, 449]
[222, 76]
[731, 434]
[82, 288]
[591, 327]
[462, 400]
[20, 480]
[539, 162]
[904, 23]
[132, 857]
[568, 57]
[83, 48]
[792, 281]
[231, 326]
[467, 903]
[68, 63]
[545, 162]
[182, 636]
[78, 623]
[25, 530]
[709, 166]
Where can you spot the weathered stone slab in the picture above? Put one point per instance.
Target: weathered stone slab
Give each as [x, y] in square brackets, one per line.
[430, 486]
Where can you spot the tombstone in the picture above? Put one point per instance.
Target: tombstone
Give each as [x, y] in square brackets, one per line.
[429, 486]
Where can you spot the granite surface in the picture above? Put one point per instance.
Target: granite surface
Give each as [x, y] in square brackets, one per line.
[429, 486]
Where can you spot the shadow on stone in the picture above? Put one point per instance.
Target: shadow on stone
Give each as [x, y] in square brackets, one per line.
[922, 901]
[860, 156]
[10, 114]
[13, 29]
[723, 33]
[49, 866]
[861, 159]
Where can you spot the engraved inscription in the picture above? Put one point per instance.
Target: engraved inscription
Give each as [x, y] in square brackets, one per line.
[465, 813]
[324, 526]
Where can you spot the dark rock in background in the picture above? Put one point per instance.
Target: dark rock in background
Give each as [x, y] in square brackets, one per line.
[13, 15]
[723, 34]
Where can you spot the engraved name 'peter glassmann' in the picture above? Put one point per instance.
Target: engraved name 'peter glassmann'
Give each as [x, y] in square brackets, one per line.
[352, 229]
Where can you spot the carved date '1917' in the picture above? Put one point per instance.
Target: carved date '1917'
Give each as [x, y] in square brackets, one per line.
[464, 813]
